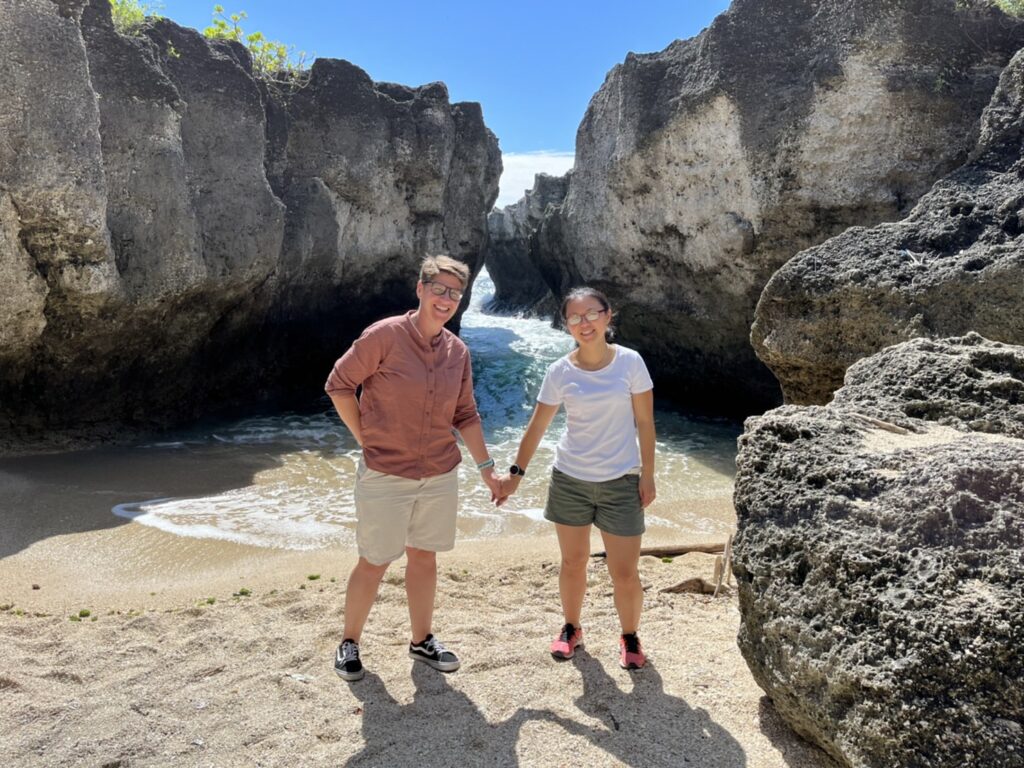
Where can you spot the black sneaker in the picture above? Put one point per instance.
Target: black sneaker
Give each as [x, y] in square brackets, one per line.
[346, 661]
[431, 652]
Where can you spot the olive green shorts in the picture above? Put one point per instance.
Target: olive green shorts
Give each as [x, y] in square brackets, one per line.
[613, 505]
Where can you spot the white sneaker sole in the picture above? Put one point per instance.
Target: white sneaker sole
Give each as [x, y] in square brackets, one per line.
[350, 676]
[443, 666]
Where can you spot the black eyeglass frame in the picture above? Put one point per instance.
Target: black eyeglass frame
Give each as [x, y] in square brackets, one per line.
[455, 294]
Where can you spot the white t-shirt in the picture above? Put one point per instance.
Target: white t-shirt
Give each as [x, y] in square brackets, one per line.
[600, 440]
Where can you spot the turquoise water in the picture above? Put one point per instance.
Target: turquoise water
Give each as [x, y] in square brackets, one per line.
[299, 493]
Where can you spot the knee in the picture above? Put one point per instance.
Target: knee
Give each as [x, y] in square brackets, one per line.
[365, 568]
[624, 574]
[574, 563]
[420, 558]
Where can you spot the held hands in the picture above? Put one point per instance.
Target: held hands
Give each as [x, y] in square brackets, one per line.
[507, 485]
[493, 481]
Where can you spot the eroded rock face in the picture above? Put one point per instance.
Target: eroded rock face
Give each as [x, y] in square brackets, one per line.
[176, 236]
[518, 284]
[879, 558]
[700, 170]
[955, 264]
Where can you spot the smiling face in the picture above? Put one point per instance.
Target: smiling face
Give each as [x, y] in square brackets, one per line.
[587, 331]
[438, 309]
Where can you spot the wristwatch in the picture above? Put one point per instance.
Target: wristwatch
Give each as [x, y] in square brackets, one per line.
[515, 469]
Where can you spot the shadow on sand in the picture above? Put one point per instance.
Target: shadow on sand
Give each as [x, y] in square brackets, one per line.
[442, 726]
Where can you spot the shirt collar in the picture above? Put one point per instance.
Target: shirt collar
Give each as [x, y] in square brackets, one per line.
[421, 340]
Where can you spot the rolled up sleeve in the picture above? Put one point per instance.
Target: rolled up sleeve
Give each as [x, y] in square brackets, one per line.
[359, 362]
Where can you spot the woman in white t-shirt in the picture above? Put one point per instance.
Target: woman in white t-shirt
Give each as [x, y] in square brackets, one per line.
[604, 466]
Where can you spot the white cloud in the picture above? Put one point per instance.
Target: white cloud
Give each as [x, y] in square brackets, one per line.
[520, 168]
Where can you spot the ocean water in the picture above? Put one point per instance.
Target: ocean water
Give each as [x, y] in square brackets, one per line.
[297, 490]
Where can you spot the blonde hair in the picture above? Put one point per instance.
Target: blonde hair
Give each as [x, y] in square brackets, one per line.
[432, 265]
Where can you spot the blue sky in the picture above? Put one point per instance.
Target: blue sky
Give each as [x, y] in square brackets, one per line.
[532, 65]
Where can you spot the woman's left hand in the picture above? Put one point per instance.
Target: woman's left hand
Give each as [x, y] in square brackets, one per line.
[647, 492]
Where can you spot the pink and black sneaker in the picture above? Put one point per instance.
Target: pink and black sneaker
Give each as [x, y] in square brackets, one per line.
[631, 655]
[565, 645]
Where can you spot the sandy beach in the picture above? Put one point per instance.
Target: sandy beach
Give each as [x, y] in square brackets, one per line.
[233, 665]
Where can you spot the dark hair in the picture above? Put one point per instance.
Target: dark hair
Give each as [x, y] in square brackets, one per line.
[586, 292]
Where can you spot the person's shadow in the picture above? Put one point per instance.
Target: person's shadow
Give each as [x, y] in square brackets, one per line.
[645, 726]
[441, 726]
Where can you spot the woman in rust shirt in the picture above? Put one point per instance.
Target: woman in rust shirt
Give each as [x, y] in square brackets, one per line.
[417, 387]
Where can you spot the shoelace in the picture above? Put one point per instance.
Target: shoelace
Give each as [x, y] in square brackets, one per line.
[632, 643]
[434, 646]
[567, 632]
[349, 652]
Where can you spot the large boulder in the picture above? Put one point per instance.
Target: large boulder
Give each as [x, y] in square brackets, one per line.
[518, 284]
[954, 265]
[701, 169]
[879, 558]
[178, 235]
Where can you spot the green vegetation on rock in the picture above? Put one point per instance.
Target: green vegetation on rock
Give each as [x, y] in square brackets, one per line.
[270, 59]
[129, 15]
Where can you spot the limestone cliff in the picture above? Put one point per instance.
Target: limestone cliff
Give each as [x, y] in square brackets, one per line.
[175, 236]
[701, 169]
[955, 264]
[512, 248]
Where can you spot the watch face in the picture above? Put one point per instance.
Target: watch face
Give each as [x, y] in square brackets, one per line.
[515, 469]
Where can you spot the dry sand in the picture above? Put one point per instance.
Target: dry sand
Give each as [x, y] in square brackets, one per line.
[175, 679]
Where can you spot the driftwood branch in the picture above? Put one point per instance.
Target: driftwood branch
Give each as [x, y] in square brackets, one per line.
[724, 568]
[682, 549]
[696, 585]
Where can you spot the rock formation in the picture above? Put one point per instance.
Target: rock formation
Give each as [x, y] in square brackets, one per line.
[177, 236]
[701, 169]
[878, 558]
[518, 284]
[955, 264]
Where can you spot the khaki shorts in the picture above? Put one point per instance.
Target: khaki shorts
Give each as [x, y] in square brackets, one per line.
[613, 506]
[393, 513]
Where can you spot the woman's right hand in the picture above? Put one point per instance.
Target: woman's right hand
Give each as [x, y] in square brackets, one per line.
[509, 484]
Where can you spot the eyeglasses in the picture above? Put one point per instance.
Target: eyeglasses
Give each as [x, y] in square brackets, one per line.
[439, 289]
[590, 316]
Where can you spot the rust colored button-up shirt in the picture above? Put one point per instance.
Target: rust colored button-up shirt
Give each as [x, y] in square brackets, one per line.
[415, 390]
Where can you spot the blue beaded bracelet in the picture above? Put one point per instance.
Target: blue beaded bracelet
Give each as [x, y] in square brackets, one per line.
[485, 464]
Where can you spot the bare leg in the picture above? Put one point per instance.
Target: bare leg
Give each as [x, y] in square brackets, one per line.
[623, 558]
[360, 595]
[420, 589]
[574, 542]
